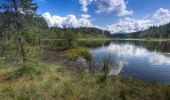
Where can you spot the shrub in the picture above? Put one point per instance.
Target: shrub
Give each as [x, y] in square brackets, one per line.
[70, 37]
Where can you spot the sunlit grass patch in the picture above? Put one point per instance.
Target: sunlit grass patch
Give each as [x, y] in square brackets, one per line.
[76, 52]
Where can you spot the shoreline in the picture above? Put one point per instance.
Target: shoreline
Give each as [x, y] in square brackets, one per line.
[130, 39]
[110, 39]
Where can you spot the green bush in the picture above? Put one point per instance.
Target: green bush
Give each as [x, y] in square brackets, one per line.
[70, 37]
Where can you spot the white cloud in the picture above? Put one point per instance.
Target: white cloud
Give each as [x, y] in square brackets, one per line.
[84, 4]
[85, 16]
[129, 25]
[85, 21]
[68, 21]
[162, 16]
[117, 7]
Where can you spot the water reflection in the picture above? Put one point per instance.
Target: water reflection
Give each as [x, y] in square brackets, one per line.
[159, 59]
[126, 50]
[134, 60]
[116, 68]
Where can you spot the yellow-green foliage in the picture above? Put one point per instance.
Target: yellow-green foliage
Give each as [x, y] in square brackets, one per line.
[55, 83]
[34, 52]
[8, 49]
[77, 52]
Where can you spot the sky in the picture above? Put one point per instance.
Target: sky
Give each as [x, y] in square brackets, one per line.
[116, 16]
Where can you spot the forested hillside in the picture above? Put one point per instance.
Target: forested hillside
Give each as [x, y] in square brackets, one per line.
[82, 32]
[34, 27]
[162, 31]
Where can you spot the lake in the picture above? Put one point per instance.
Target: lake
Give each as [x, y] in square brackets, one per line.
[144, 60]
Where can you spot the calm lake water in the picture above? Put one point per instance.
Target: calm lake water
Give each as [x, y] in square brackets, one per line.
[148, 61]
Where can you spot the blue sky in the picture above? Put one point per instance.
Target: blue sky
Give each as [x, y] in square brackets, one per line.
[106, 14]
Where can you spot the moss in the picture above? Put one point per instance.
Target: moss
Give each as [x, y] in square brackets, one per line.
[75, 53]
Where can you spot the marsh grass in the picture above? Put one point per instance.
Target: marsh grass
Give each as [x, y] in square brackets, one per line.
[28, 69]
[53, 82]
[74, 53]
[105, 69]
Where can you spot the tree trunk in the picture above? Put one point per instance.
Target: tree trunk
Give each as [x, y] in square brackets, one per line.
[22, 49]
[18, 29]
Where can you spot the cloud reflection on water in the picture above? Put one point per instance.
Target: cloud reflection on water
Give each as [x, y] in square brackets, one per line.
[127, 50]
[131, 51]
[134, 61]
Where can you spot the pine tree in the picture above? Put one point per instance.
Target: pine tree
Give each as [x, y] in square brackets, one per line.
[13, 12]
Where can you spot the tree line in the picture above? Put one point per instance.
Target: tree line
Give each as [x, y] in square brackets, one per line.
[162, 31]
[21, 26]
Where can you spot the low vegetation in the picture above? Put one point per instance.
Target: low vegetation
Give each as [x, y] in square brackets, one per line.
[74, 53]
[39, 81]
[25, 39]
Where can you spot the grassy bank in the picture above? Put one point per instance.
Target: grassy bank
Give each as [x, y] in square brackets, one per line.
[39, 81]
[74, 53]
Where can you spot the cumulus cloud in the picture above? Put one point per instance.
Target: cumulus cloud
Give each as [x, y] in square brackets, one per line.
[117, 7]
[129, 25]
[68, 21]
[84, 4]
[85, 16]
[162, 16]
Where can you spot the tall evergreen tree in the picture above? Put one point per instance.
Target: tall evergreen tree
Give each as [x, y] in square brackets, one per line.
[13, 12]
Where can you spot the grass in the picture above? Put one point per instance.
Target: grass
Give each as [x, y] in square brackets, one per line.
[52, 82]
[74, 53]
